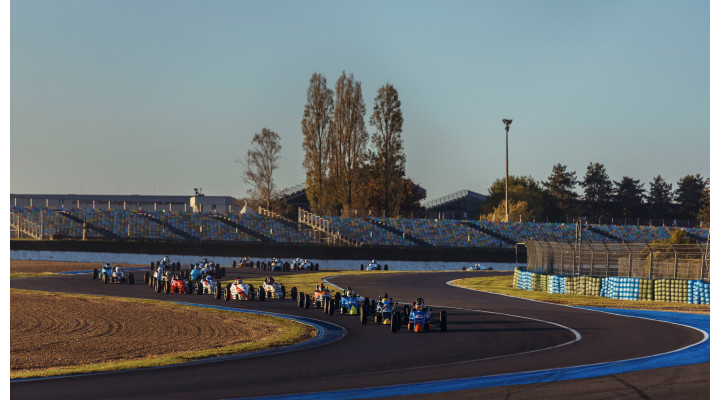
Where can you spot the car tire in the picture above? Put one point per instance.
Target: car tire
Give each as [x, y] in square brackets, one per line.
[293, 293]
[443, 321]
[301, 300]
[217, 292]
[227, 293]
[157, 286]
[261, 295]
[394, 323]
[406, 312]
[95, 274]
[131, 279]
[307, 301]
[105, 278]
[363, 315]
[146, 278]
[167, 287]
[331, 307]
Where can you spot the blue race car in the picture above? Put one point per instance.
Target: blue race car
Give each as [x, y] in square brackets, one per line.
[350, 302]
[420, 317]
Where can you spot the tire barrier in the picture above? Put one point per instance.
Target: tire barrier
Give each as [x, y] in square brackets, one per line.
[699, 292]
[622, 288]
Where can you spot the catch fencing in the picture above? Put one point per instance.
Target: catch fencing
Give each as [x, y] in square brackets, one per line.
[629, 260]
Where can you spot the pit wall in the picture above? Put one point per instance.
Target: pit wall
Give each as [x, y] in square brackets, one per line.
[671, 290]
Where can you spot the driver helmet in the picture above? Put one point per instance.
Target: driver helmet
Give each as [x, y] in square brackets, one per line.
[419, 303]
[166, 259]
[322, 287]
[372, 262]
[238, 280]
[350, 292]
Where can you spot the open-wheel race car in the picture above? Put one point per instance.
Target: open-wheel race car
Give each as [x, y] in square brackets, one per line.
[237, 290]
[420, 318]
[208, 284]
[275, 265]
[275, 290]
[384, 310]
[477, 267]
[302, 265]
[108, 273]
[350, 302]
[373, 266]
[178, 284]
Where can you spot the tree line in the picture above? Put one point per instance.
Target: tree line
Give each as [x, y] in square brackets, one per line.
[599, 196]
[348, 169]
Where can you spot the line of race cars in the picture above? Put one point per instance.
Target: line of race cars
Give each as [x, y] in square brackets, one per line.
[203, 278]
[276, 265]
[384, 311]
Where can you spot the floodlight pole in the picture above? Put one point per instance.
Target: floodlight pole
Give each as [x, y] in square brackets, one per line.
[507, 123]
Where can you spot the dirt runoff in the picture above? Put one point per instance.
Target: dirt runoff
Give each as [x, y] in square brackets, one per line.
[50, 330]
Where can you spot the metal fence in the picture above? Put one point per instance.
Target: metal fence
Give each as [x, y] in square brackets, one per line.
[636, 260]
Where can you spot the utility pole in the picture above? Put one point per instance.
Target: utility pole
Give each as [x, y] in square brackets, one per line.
[507, 123]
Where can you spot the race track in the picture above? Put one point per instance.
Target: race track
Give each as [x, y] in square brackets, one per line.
[488, 335]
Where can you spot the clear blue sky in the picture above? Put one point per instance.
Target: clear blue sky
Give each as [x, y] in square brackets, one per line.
[159, 97]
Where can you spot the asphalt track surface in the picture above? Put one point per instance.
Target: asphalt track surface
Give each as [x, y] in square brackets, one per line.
[487, 335]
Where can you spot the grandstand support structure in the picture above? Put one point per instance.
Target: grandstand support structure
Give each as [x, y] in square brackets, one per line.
[324, 226]
[86, 225]
[490, 232]
[405, 235]
[244, 229]
[21, 227]
[606, 234]
[169, 227]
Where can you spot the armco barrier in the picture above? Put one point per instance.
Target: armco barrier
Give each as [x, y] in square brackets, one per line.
[622, 288]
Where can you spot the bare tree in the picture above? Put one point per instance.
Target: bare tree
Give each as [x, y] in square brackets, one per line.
[316, 124]
[388, 158]
[349, 136]
[260, 163]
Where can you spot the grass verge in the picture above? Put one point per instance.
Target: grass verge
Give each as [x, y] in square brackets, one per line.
[503, 285]
[305, 282]
[291, 332]
[31, 274]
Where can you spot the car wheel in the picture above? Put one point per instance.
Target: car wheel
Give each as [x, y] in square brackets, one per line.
[394, 322]
[95, 274]
[105, 278]
[443, 321]
[363, 315]
[301, 300]
[331, 307]
[167, 287]
[406, 312]
[146, 277]
[307, 301]
[227, 293]
[131, 279]
[157, 286]
[217, 292]
[261, 295]
[293, 293]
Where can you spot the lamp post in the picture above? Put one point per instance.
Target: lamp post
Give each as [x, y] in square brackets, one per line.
[507, 123]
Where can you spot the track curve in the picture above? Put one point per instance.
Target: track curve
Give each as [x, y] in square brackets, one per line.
[487, 335]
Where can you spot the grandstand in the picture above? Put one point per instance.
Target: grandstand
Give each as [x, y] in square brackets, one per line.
[119, 224]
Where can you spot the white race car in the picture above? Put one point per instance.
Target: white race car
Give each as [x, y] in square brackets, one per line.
[477, 267]
[239, 290]
[272, 289]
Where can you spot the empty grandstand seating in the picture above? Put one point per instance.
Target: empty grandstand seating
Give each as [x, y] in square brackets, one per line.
[180, 225]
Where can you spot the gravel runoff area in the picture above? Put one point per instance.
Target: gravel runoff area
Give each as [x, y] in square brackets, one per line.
[53, 331]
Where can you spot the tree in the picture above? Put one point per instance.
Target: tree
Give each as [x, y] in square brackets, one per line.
[388, 158]
[260, 163]
[516, 209]
[659, 198]
[537, 200]
[349, 137]
[704, 214]
[688, 196]
[629, 196]
[561, 185]
[598, 188]
[316, 124]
